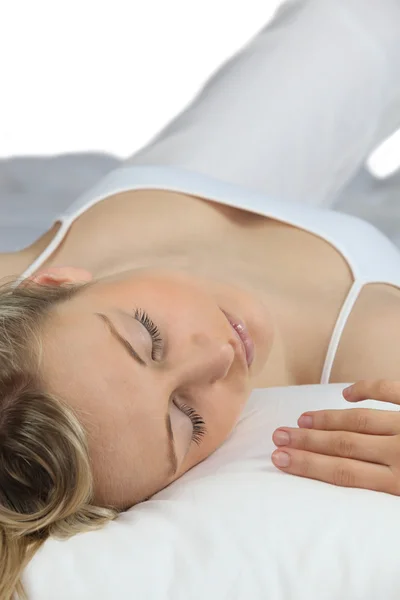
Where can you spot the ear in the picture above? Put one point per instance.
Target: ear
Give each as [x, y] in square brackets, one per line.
[59, 275]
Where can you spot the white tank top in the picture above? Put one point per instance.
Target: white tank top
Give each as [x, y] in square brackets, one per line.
[371, 256]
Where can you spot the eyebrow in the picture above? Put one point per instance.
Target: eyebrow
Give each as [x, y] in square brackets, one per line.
[172, 458]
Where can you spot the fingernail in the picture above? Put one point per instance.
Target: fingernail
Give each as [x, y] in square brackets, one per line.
[281, 438]
[281, 459]
[347, 392]
[305, 421]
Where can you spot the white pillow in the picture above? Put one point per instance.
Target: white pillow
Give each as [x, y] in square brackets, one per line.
[236, 528]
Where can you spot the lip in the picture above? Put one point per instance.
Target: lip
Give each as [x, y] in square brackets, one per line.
[243, 335]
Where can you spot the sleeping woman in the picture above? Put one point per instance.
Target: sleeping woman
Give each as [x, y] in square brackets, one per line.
[210, 264]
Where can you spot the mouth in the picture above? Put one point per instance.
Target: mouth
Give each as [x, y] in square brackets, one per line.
[243, 335]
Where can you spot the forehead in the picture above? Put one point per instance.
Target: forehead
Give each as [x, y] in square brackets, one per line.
[113, 400]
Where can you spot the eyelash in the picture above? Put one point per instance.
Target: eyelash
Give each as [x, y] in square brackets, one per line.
[199, 427]
[144, 319]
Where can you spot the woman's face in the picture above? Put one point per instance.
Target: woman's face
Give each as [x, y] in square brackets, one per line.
[133, 392]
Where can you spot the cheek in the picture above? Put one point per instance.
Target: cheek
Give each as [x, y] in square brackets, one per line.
[217, 434]
[222, 417]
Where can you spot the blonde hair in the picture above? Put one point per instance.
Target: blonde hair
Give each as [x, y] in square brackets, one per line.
[46, 482]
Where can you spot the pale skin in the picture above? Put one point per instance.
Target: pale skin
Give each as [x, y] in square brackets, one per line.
[183, 289]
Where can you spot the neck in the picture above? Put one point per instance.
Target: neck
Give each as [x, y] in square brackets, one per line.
[13, 264]
[299, 343]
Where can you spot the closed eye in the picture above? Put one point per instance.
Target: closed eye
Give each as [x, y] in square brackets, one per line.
[171, 451]
[123, 341]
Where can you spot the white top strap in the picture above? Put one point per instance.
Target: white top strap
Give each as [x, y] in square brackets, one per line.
[43, 256]
[338, 329]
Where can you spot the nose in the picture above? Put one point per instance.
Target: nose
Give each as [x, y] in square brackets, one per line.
[206, 361]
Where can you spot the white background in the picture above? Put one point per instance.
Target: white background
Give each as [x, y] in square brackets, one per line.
[93, 75]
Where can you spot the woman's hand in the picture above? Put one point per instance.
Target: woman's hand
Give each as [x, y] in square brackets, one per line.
[358, 447]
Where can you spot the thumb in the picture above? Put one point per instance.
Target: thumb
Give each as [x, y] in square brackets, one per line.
[384, 390]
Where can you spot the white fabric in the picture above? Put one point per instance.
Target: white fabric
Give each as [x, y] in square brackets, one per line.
[299, 108]
[236, 528]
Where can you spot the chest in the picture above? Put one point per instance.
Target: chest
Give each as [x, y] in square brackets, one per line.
[144, 222]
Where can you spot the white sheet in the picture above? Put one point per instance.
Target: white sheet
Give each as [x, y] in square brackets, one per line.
[236, 528]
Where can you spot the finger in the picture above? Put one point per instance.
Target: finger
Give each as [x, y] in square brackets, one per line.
[339, 471]
[370, 448]
[384, 390]
[359, 420]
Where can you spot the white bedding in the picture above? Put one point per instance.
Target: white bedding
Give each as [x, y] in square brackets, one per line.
[236, 528]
